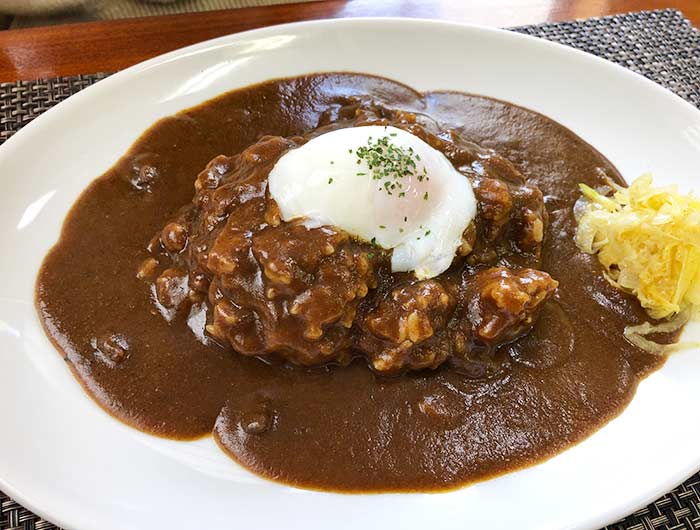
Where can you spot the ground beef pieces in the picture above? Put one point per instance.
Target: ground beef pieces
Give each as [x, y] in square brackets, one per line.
[313, 295]
[502, 304]
[396, 334]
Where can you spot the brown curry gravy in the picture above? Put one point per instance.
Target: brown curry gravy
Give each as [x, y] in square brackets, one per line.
[340, 428]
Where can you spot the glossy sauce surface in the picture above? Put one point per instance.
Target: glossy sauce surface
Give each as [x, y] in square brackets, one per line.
[338, 427]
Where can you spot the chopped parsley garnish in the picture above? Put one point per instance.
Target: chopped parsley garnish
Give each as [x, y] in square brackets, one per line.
[425, 196]
[373, 241]
[330, 180]
[389, 162]
[382, 227]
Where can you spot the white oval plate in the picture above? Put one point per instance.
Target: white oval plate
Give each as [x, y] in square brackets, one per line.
[64, 458]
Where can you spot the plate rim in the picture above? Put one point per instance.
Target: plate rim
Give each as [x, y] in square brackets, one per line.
[173, 55]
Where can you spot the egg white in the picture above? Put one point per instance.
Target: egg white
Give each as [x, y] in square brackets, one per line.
[326, 183]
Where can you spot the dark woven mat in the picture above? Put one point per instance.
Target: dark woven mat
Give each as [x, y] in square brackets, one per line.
[662, 45]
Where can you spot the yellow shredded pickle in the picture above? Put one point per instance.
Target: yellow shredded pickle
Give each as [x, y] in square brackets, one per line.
[648, 241]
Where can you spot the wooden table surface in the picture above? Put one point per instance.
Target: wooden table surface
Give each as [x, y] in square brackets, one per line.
[109, 46]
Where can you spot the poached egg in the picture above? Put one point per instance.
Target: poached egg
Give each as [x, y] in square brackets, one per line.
[383, 185]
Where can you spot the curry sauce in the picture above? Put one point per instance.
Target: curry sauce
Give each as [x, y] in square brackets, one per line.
[342, 426]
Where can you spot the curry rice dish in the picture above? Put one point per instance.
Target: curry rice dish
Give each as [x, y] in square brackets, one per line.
[186, 301]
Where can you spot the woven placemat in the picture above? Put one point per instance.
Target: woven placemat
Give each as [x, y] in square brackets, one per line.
[662, 45]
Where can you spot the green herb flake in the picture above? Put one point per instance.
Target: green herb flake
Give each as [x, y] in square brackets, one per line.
[388, 162]
[425, 196]
[382, 227]
[330, 180]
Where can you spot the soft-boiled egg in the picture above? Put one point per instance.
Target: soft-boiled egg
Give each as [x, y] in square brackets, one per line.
[383, 185]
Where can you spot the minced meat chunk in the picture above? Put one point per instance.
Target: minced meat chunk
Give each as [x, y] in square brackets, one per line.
[313, 295]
